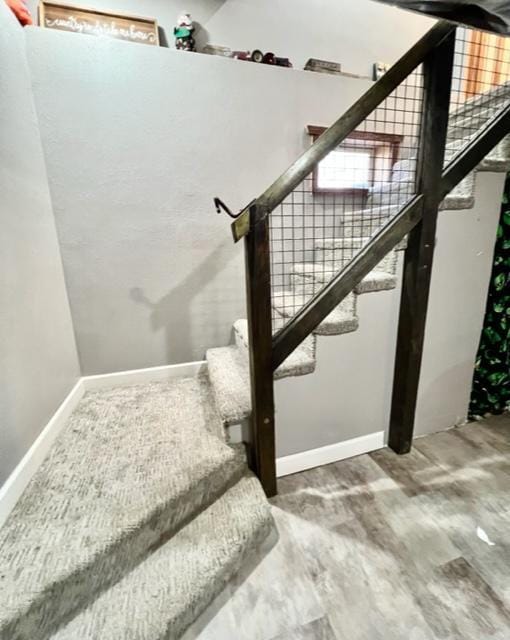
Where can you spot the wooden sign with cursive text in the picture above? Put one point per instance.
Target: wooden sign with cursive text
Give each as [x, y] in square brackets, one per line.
[65, 17]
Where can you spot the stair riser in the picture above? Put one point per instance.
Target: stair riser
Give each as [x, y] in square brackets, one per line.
[301, 362]
[335, 260]
[462, 196]
[231, 392]
[365, 227]
[162, 597]
[463, 191]
[478, 109]
[330, 329]
[347, 306]
[248, 555]
[459, 128]
[307, 285]
[391, 194]
[371, 285]
[497, 165]
[341, 244]
[497, 159]
[451, 203]
[241, 343]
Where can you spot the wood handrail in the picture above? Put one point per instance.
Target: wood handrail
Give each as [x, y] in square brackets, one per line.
[352, 118]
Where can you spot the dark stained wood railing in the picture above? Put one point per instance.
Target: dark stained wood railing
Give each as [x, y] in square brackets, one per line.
[260, 337]
[345, 125]
[417, 218]
[437, 73]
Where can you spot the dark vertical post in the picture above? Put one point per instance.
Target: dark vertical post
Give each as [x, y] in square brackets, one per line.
[258, 293]
[437, 69]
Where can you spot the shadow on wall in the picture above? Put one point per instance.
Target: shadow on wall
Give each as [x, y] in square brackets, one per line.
[173, 312]
[163, 40]
[201, 36]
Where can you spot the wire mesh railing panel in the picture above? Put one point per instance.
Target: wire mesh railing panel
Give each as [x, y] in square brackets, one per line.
[328, 219]
[480, 85]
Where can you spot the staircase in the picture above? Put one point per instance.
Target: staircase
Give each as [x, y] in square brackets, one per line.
[229, 366]
[145, 507]
[136, 520]
[310, 252]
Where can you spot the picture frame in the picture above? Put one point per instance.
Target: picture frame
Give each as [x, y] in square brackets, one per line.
[78, 19]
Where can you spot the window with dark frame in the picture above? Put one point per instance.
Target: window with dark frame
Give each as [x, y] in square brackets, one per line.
[362, 159]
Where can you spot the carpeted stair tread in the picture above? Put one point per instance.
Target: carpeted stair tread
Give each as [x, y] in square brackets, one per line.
[398, 193]
[464, 126]
[367, 221]
[377, 281]
[316, 272]
[346, 242]
[164, 594]
[457, 202]
[230, 379]
[300, 362]
[133, 463]
[341, 320]
[496, 162]
[462, 196]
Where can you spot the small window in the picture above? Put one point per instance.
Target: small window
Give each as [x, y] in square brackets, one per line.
[345, 168]
[360, 160]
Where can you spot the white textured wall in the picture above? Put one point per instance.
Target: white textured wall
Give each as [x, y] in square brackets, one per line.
[38, 361]
[349, 394]
[460, 281]
[355, 33]
[137, 143]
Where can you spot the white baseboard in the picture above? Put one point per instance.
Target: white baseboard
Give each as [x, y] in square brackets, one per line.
[140, 376]
[11, 490]
[330, 453]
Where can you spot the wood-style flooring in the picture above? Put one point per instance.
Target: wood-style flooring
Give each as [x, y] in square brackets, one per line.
[386, 547]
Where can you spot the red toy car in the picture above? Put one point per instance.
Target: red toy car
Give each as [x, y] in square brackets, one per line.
[241, 55]
[264, 58]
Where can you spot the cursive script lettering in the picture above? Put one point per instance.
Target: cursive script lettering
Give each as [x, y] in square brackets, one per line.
[100, 28]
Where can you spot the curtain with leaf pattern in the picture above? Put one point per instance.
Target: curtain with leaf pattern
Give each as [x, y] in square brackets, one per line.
[491, 381]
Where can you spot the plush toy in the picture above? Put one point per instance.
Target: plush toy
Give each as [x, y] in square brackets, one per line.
[20, 10]
[183, 33]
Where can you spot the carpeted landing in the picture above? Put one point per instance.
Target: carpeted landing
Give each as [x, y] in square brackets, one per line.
[135, 522]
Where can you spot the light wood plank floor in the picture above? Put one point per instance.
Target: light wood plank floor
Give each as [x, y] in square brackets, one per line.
[386, 547]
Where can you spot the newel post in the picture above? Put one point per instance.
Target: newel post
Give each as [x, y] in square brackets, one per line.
[437, 69]
[258, 294]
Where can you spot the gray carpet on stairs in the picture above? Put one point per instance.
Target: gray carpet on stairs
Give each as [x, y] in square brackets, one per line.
[132, 468]
[164, 594]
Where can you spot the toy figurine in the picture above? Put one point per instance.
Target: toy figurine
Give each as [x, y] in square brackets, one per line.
[183, 33]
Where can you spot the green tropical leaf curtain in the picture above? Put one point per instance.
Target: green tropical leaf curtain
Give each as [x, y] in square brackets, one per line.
[491, 380]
